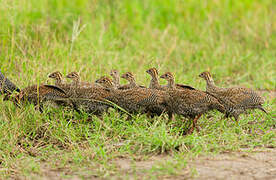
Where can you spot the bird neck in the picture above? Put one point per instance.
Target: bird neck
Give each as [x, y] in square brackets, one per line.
[132, 82]
[210, 85]
[154, 82]
[76, 82]
[171, 84]
[116, 81]
[59, 81]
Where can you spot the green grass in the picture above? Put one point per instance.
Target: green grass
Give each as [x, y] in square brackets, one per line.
[235, 40]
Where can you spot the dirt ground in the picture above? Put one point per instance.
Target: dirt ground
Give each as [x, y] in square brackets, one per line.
[239, 165]
[257, 165]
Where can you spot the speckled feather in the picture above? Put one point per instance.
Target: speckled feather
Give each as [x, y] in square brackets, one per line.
[38, 95]
[91, 100]
[132, 82]
[236, 99]
[136, 100]
[6, 86]
[189, 102]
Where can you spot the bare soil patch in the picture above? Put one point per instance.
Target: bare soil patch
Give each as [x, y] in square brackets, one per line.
[241, 165]
[260, 164]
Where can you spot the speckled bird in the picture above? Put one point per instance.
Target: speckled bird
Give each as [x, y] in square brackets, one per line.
[116, 77]
[76, 81]
[154, 83]
[38, 95]
[136, 100]
[190, 103]
[6, 86]
[57, 76]
[178, 86]
[132, 82]
[235, 99]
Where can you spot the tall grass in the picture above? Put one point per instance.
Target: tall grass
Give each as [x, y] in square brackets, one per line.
[235, 40]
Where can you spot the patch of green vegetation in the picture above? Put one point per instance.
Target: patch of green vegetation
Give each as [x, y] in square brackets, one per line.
[235, 40]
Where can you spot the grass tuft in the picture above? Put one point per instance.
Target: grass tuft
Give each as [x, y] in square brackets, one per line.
[235, 40]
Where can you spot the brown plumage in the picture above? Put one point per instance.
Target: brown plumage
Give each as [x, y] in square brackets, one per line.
[75, 77]
[76, 81]
[59, 82]
[236, 99]
[178, 86]
[190, 103]
[38, 95]
[116, 77]
[132, 83]
[6, 86]
[75, 84]
[154, 83]
[106, 82]
[91, 100]
[86, 96]
[136, 100]
[57, 76]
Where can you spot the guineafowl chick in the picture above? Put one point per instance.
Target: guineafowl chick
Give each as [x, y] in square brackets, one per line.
[76, 80]
[154, 83]
[75, 77]
[136, 100]
[38, 95]
[92, 100]
[131, 79]
[6, 86]
[57, 76]
[236, 99]
[85, 96]
[190, 103]
[116, 77]
[178, 86]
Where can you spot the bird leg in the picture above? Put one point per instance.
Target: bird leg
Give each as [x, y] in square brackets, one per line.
[194, 124]
[171, 116]
[262, 109]
[236, 116]
[149, 115]
[129, 117]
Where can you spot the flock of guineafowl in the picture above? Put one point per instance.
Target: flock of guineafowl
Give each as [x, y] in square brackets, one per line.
[155, 100]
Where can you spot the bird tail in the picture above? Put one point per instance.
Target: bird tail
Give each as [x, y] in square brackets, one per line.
[262, 109]
[221, 108]
[6, 86]
[216, 105]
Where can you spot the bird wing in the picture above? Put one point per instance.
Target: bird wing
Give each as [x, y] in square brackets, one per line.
[182, 86]
[236, 96]
[6, 85]
[55, 88]
[124, 87]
